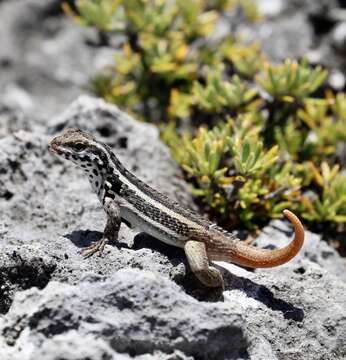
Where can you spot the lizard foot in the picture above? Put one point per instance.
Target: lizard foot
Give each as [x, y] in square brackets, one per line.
[95, 247]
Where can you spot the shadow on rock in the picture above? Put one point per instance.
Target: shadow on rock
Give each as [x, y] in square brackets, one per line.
[84, 238]
[262, 294]
[188, 281]
[143, 240]
[21, 270]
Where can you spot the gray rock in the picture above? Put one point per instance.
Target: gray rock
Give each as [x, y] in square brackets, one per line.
[45, 58]
[133, 312]
[339, 37]
[12, 119]
[72, 346]
[318, 8]
[336, 80]
[16, 97]
[292, 312]
[271, 8]
[48, 203]
[278, 37]
[315, 248]
[66, 307]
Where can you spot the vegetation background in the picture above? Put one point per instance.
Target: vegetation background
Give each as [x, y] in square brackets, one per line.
[253, 136]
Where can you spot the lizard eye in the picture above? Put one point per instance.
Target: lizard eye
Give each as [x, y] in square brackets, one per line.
[79, 146]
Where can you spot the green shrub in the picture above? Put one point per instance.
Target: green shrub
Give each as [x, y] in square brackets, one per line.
[251, 137]
[219, 95]
[233, 174]
[329, 204]
[247, 60]
[291, 80]
[165, 49]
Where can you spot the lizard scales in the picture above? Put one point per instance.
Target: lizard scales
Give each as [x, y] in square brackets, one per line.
[126, 198]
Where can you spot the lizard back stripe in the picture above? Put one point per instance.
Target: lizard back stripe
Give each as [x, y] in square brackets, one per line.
[114, 186]
[154, 195]
[156, 204]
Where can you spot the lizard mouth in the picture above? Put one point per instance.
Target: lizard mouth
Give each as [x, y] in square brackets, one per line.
[54, 148]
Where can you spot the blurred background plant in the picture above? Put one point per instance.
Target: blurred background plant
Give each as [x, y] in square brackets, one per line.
[252, 137]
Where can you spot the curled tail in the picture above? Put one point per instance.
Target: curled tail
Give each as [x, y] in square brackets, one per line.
[249, 256]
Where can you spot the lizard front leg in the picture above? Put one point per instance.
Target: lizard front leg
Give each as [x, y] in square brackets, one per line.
[111, 230]
[197, 258]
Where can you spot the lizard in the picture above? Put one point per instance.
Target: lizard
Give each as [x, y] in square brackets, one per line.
[125, 198]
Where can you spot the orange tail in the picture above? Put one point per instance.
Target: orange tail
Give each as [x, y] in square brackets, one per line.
[262, 258]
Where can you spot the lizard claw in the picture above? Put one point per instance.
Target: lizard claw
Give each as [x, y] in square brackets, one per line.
[95, 247]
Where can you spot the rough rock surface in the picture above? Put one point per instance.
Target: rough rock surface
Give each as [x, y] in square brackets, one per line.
[278, 36]
[140, 299]
[132, 311]
[314, 29]
[45, 58]
[51, 203]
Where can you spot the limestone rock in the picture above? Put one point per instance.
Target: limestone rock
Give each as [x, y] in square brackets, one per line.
[140, 299]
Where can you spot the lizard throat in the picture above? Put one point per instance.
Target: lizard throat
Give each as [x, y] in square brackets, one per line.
[94, 169]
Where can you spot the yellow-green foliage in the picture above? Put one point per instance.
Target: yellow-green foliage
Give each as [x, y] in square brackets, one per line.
[291, 80]
[166, 46]
[252, 137]
[218, 95]
[98, 13]
[330, 202]
[248, 7]
[247, 60]
[232, 172]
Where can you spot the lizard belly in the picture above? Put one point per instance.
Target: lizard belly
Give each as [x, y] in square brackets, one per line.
[143, 223]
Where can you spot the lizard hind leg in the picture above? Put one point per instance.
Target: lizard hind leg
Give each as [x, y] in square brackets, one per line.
[199, 263]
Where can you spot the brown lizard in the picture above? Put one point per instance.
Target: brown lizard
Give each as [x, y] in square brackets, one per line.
[127, 199]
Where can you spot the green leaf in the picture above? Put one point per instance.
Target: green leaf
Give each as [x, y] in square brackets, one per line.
[246, 152]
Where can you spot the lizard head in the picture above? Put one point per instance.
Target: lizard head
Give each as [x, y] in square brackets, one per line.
[72, 144]
[95, 158]
[82, 148]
